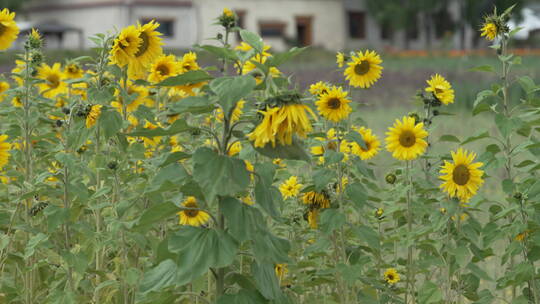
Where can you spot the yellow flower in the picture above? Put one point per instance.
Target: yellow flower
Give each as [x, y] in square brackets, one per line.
[192, 217]
[316, 199]
[391, 276]
[290, 188]
[334, 105]
[246, 48]
[8, 29]
[521, 236]
[237, 112]
[73, 71]
[163, 67]
[463, 177]
[93, 116]
[340, 59]
[247, 200]
[35, 34]
[227, 12]
[54, 80]
[151, 141]
[4, 86]
[4, 151]
[18, 72]
[279, 162]
[148, 51]
[312, 218]
[364, 69]
[281, 271]
[281, 123]
[234, 148]
[441, 89]
[405, 139]
[125, 46]
[489, 30]
[250, 68]
[372, 144]
[140, 94]
[189, 62]
[319, 88]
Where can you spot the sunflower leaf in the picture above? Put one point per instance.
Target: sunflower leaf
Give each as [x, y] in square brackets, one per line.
[294, 151]
[230, 90]
[253, 40]
[189, 77]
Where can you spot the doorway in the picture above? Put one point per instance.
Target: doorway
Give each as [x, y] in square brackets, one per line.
[304, 30]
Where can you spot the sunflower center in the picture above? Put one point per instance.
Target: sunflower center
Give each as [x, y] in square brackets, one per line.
[438, 91]
[163, 69]
[368, 146]
[2, 29]
[390, 277]
[73, 69]
[407, 139]
[334, 103]
[53, 81]
[123, 46]
[187, 66]
[362, 68]
[461, 175]
[144, 45]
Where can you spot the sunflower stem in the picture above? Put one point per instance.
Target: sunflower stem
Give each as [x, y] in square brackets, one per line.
[410, 293]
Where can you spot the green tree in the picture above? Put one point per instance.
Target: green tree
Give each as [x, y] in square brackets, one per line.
[12, 5]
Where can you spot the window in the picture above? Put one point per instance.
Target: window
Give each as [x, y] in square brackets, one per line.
[357, 25]
[386, 31]
[272, 29]
[166, 26]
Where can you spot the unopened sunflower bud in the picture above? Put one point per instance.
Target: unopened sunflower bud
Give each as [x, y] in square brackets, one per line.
[518, 195]
[390, 178]
[36, 58]
[442, 210]
[112, 165]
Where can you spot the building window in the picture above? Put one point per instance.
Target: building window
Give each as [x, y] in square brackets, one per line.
[387, 32]
[272, 29]
[357, 25]
[166, 25]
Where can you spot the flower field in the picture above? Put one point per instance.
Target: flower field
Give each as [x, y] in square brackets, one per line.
[133, 175]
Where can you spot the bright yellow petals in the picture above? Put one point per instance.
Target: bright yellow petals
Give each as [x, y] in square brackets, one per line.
[53, 77]
[8, 29]
[364, 69]
[405, 140]
[281, 271]
[340, 59]
[316, 199]
[489, 30]
[73, 71]
[163, 67]
[281, 123]
[18, 72]
[319, 88]
[462, 178]
[246, 48]
[290, 188]
[140, 95]
[4, 151]
[227, 12]
[372, 144]
[93, 116]
[391, 276]
[237, 112]
[148, 51]
[250, 68]
[4, 86]
[334, 105]
[192, 216]
[441, 89]
[234, 148]
[189, 62]
[125, 46]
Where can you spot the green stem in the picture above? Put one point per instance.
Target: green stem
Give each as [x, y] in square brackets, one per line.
[410, 251]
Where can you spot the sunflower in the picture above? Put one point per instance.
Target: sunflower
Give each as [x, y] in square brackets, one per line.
[125, 46]
[54, 80]
[151, 142]
[319, 88]
[281, 123]
[463, 177]
[316, 199]
[340, 59]
[391, 276]
[140, 94]
[237, 112]
[8, 29]
[489, 30]
[227, 12]
[147, 52]
[405, 139]
[73, 71]
[247, 200]
[334, 105]
[290, 188]
[234, 148]
[4, 86]
[441, 89]
[18, 72]
[192, 216]
[364, 69]
[4, 150]
[93, 116]
[163, 67]
[244, 47]
[312, 218]
[281, 271]
[372, 144]
[189, 62]
[250, 68]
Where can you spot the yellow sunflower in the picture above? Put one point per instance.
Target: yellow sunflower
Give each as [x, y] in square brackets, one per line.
[372, 144]
[192, 216]
[237, 112]
[250, 68]
[141, 95]
[290, 188]
[281, 271]
[281, 123]
[340, 59]
[319, 88]
[189, 62]
[312, 218]
[441, 89]
[163, 67]
[463, 177]
[234, 148]
[125, 46]
[18, 72]
[405, 140]
[334, 105]
[73, 71]
[489, 30]
[227, 12]
[8, 29]
[316, 199]
[148, 51]
[391, 276]
[4, 86]
[244, 47]
[4, 150]
[364, 69]
[54, 80]
[93, 116]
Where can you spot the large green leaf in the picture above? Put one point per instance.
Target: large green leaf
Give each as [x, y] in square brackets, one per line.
[218, 174]
[167, 178]
[110, 122]
[231, 89]
[293, 151]
[266, 280]
[253, 40]
[357, 194]
[267, 195]
[193, 104]
[155, 214]
[189, 77]
[159, 277]
[429, 293]
[244, 296]
[270, 248]
[244, 222]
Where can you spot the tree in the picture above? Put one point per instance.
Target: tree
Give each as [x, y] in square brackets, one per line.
[12, 5]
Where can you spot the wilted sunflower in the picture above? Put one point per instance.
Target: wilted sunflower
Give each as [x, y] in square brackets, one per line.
[281, 123]
[8, 29]
[405, 140]
[319, 88]
[163, 67]
[192, 217]
[441, 89]
[73, 71]
[463, 177]
[316, 199]
[372, 144]
[489, 30]
[312, 218]
[125, 46]
[93, 116]
[391, 276]
[4, 86]
[290, 188]
[54, 80]
[4, 150]
[334, 105]
[148, 51]
[364, 69]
